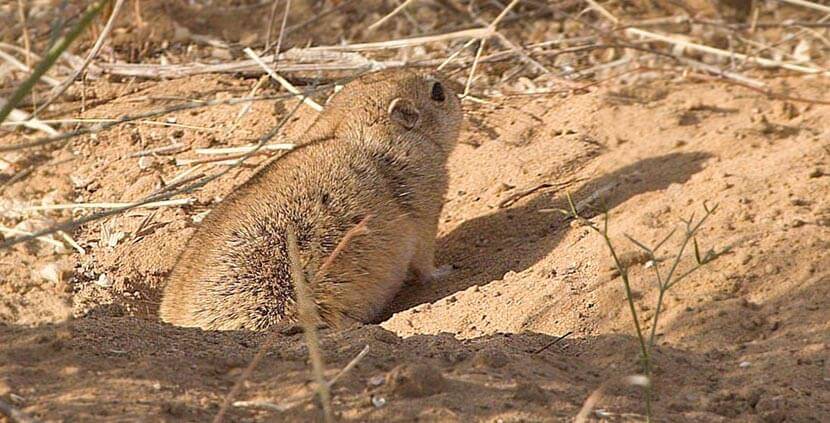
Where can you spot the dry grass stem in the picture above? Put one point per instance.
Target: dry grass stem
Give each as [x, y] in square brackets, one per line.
[809, 5]
[167, 149]
[359, 229]
[349, 366]
[243, 149]
[50, 58]
[309, 309]
[602, 11]
[44, 239]
[271, 19]
[132, 118]
[74, 206]
[722, 53]
[71, 241]
[723, 73]
[490, 29]
[245, 107]
[410, 42]
[260, 354]
[266, 405]
[229, 160]
[290, 403]
[308, 319]
[20, 118]
[24, 68]
[769, 93]
[394, 12]
[282, 28]
[282, 81]
[60, 89]
[14, 122]
[27, 44]
[184, 174]
[186, 185]
[14, 414]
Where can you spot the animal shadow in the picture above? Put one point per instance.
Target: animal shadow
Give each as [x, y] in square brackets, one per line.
[483, 249]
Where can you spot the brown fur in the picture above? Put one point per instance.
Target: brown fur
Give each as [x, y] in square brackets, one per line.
[358, 159]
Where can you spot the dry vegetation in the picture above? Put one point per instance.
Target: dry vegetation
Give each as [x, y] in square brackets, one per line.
[125, 121]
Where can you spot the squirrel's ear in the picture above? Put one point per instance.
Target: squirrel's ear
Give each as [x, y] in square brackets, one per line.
[404, 113]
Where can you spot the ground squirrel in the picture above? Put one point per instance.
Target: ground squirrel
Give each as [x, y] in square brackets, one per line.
[379, 149]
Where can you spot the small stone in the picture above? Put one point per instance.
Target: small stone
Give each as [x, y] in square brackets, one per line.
[797, 223]
[744, 364]
[378, 401]
[145, 162]
[197, 218]
[115, 238]
[78, 182]
[52, 272]
[103, 281]
[771, 269]
[816, 173]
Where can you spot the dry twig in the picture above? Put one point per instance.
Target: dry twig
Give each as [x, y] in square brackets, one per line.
[394, 12]
[809, 5]
[308, 325]
[75, 206]
[308, 319]
[282, 81]
[14, 414]
[44, 239]
[60, 89]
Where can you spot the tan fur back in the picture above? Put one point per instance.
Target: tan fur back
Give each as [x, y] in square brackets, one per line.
[357, 160]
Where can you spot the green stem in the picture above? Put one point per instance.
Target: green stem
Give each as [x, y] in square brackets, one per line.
[646, 357]
[657, 311]
[50, 58]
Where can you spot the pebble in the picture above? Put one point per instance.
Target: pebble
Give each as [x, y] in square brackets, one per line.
[145, 162]
[103, 281]
[52, 272]
[378, 401]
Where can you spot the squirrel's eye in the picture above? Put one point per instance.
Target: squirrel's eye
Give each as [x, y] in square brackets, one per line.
[437, 92]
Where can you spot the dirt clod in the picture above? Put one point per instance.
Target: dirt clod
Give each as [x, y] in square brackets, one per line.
[415, 380]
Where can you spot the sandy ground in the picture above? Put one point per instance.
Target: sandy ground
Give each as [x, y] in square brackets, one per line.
[746, 338]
